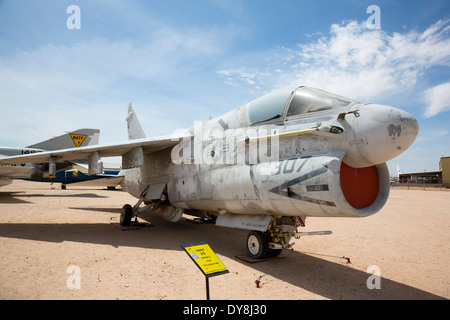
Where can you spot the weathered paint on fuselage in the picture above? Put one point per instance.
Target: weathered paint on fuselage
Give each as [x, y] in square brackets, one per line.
[305, 177]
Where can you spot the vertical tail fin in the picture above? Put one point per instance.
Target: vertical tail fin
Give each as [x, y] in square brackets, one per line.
[135, 130]
[78, 138]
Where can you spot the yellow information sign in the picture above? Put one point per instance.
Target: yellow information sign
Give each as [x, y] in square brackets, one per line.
[205, 259]
[78, 139]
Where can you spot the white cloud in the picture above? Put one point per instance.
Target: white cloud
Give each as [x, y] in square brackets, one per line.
[249, 76]
[353, 61]
[53, 88]
[438, 100]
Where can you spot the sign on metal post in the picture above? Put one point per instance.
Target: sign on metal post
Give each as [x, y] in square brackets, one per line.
[206, 260]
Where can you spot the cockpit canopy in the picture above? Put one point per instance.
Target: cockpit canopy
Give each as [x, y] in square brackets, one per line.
[290, 103]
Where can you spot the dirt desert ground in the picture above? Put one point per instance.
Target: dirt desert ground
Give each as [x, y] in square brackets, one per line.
[45, 232]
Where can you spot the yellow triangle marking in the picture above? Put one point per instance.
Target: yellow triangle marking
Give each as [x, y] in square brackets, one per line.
[78, 139]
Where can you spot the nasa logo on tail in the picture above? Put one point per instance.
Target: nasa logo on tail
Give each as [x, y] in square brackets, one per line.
[78, 139]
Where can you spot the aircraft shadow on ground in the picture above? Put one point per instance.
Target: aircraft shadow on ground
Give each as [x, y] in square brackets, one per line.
[110, 210]
[18, 197]
[332, 280]
[12, 197]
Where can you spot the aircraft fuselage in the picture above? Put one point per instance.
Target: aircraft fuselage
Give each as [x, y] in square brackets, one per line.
[325, 158]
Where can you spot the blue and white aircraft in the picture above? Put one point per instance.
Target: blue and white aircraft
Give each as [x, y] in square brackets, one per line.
[75, 139]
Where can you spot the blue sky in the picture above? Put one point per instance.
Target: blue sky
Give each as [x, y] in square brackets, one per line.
[184, 61]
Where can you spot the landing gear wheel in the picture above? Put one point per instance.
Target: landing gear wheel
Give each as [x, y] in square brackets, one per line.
[125, 215]
[258, 244]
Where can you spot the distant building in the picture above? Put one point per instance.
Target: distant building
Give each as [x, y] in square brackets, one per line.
[444, 166]
[441, 177]
[434, 177]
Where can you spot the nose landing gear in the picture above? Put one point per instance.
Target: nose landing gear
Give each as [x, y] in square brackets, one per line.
[270, 243]
[258, 245]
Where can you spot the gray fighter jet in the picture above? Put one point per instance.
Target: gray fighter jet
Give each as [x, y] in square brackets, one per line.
[77, 139]
[264, 166]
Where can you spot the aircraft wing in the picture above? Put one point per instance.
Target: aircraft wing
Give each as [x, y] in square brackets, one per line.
[134, 149]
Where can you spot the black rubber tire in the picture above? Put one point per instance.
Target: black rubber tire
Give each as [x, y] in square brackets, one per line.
[258, 244]
[125, 215]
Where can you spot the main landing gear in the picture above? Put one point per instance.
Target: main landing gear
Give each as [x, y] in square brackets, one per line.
[128, 212]
[270, 243]
[154, 197]
[126, 215]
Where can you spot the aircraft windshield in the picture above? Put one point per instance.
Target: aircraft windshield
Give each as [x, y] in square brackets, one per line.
[268, 107]
[307, 100]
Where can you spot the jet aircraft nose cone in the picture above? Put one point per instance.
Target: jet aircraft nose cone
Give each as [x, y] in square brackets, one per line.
[381, 133]
[403, 130]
